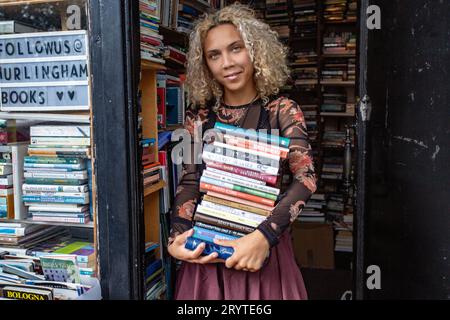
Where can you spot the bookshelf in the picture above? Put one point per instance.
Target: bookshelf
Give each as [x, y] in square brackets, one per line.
[60, 120]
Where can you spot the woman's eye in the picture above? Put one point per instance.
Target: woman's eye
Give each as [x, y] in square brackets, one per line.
[213, 56]
[236, 49]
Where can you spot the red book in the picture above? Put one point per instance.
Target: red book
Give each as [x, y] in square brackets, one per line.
[210, 187]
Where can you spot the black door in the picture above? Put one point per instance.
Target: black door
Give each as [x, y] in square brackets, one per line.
[404, 226]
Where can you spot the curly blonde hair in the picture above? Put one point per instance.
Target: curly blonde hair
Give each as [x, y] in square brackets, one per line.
[267, 53]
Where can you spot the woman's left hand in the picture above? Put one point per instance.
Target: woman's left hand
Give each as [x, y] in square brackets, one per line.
[250, 251]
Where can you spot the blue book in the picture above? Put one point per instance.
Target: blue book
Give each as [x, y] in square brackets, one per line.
[164, 138]
[224, 252]
[209, 235]
[153, 267]
[262, 137]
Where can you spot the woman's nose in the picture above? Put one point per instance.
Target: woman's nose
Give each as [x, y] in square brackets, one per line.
[227, 61]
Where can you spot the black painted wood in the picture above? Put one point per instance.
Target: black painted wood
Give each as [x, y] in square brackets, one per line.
[409, 215]
[114, 118]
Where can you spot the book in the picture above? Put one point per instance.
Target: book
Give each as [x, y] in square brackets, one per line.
[257, 136]
[21, 292]
[60, 268]
[236, 205]
[222, 223]
[208, 235]
[223, 252]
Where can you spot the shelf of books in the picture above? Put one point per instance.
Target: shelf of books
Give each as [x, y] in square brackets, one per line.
[165, 26]
[48, 243]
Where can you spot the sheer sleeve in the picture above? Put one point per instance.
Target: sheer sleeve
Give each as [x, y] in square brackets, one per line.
[292, 125]
[187, 193]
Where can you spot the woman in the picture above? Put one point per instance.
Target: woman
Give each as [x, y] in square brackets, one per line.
[236, 66]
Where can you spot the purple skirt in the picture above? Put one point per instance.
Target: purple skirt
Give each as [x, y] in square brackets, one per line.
[279, 279]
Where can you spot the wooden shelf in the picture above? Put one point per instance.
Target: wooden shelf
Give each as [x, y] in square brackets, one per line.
[339, 55]
[153, 188]
[150, 65]
[344, 22]
[338, 83]
[336, 114]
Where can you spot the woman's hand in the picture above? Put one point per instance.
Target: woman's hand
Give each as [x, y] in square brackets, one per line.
[250, 251]
[178, 251]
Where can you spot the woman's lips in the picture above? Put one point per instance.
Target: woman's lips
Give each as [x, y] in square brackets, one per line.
[232, 76]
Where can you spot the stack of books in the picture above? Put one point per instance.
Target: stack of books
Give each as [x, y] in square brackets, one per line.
[304, 67]
[152, 47]
[277, 17]
[57, 174]
[339, 43]
[344, 241]
[240, 182]
[334, 100]
[352, 11]
[335, 10]
[314, 209]
[154, 275]
[305, 11]
[151, 166]
[6, 186]
[187, 14]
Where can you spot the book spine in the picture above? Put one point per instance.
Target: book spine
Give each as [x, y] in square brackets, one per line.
[237, 205]
[64, 141]
[270, 179]
[210, 235]
[247, 150]
[52, 160]
[227, 216]
[49, 166]
[210, 187]
[5, 169]
[219, 229]
[7, 181]
[12, 231]
[277, 140]
[60, 131]
[224, 208]
[205, 218]
[52, 175]
[78, 200]
[53, 188]
[241, 182]
[47, 181]
[61, 219]
[257, 159]
[209, 156]
[235, 176]
[222, 251]
[253, 145]
[239, 188]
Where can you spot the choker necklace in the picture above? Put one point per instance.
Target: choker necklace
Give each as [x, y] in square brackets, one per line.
[237, 112]
[242, 105]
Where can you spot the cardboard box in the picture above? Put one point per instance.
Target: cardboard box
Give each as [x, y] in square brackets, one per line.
[313, 245]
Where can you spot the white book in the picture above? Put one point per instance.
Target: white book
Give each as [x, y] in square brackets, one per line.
[56, 175]
[6, 192]
[57, 194]
[7, 181]
[60, 131]
[226, 216]
[244, 214]
[54, 188]
[261, 145]
[241, 182]
[64, 141]
[239, 163]
[249, 151]
[57, 207]
[229, 174]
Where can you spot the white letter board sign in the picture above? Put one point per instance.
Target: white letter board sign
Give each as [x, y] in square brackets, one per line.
[46, 71]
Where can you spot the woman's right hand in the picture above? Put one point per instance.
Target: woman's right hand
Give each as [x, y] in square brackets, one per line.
[178, 251]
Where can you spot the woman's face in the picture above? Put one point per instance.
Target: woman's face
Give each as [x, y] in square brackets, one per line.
[229, 60]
